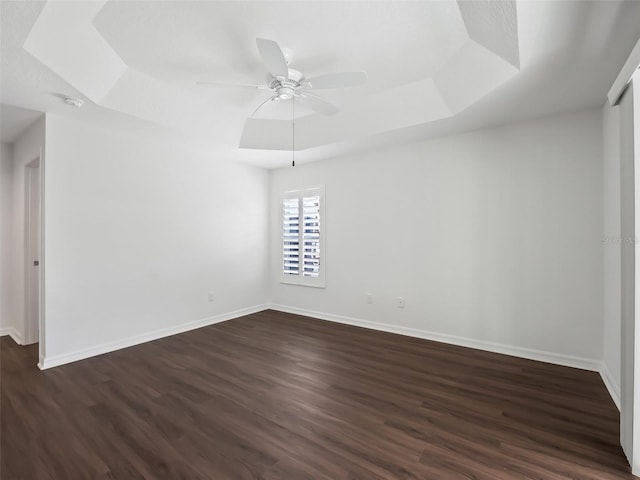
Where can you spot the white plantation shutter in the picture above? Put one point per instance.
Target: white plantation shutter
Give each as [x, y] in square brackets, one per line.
[311, 236]
[302, 223]
[290, 236]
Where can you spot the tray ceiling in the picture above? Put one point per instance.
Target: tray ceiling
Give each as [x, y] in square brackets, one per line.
[428, 63]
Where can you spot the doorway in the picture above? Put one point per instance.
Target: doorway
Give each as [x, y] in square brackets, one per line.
[32, 252]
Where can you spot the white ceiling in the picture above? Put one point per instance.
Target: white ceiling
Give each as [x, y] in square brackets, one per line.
[434, 67]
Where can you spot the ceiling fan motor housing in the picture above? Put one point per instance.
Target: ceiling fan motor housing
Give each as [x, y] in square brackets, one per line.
[286, 88]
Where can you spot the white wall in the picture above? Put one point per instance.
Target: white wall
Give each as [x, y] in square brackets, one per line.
[494, 238]
[612, 240]
[138, 231]
[26, 149]
[6, 216]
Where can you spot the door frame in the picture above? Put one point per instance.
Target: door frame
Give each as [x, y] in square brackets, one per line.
[30, 335]
[629, 79]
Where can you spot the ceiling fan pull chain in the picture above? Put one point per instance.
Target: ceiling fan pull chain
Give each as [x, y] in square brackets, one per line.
[293, 131]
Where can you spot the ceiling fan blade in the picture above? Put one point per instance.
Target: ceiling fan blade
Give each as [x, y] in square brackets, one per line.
[338, 80]
[273, 57]
[317, 104]
[220, 84]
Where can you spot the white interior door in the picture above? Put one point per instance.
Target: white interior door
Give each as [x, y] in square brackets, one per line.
[630, 273]
[33, 253]
[631, 354]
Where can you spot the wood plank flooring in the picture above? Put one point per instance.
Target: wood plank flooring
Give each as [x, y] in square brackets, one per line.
[278, 396]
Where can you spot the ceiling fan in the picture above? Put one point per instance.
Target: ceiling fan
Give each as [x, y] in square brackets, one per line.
[287, 83]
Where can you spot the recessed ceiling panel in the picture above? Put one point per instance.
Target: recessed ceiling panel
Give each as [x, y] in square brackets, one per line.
[144, 58]
[394, 42]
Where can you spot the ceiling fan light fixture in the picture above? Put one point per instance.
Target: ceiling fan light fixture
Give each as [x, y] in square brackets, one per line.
[285, 93]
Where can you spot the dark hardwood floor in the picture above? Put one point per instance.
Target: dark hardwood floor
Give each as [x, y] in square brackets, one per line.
[279, 396]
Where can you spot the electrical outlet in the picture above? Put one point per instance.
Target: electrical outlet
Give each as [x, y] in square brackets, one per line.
[400, 302]
[369, 298]
[212, 297]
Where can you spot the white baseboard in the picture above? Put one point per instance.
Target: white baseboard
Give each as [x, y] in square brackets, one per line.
[57, 360]
[13, 333]
[539, 355]
[610, 383]
[531, 354]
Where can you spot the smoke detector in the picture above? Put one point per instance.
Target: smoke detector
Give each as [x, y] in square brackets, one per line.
[74, 102]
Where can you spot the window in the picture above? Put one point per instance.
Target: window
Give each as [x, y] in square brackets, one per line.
[302, 237]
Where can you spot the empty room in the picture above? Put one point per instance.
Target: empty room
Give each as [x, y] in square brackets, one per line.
[332, 240]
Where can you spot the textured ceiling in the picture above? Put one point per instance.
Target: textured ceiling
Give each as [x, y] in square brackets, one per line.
[434, 67]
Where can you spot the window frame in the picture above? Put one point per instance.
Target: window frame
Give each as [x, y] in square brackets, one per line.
[300, 279]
